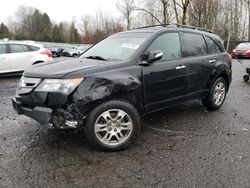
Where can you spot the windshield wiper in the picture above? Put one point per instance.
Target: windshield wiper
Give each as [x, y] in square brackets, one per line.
[96, 57]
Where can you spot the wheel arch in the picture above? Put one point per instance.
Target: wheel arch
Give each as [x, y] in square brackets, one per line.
[225, 77]
[96, 90]
[37, 62]
[129, 97]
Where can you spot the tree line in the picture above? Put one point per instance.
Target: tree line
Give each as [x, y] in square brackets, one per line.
[228, 18]
[29, 23]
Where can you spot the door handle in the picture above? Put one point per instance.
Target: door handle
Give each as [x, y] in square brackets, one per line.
[180, 67]
[212, 61]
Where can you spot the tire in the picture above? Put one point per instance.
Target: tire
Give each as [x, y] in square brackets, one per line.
[217, 95]
[117, 130]
[246, 78]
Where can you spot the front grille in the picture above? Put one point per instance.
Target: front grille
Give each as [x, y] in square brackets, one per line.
[27, 85]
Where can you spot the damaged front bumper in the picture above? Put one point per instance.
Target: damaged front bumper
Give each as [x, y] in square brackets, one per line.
[40, 114]
[51, 118]
[67, 111]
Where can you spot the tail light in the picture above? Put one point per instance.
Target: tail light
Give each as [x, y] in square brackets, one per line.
[46, 52]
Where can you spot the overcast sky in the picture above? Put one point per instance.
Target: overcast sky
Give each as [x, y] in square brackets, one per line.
[59, 10]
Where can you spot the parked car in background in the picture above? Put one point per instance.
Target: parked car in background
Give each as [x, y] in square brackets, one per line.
[15, 57]
[242, 51]
[70, 52]
[81, 50]
[56, 52]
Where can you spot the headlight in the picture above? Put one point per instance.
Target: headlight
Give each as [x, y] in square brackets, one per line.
[66, 86]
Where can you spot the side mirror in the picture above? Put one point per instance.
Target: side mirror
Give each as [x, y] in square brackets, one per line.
[154, 56]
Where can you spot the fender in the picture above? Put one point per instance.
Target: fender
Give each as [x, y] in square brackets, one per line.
[100, 88]
[222, 70]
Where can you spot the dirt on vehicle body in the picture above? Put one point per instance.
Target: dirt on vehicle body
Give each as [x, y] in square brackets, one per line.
[116, 82]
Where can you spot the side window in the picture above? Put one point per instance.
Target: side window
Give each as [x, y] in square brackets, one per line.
[2, 49]
[33, 48]
[169, 44]
[213, 48]
[193, 45]
[18, 48]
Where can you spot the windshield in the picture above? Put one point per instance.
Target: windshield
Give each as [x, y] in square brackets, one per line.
[118, 47]
[244, 45]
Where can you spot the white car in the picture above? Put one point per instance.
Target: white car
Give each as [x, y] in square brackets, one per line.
[16, 57]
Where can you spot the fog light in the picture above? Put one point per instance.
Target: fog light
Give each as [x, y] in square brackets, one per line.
[72, 124]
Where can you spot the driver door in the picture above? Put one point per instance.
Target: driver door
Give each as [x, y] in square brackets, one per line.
[165, 80]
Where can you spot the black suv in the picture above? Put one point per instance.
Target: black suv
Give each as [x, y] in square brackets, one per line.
[116, 82]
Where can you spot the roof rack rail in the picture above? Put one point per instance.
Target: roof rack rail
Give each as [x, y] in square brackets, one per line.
[149, 26]
[189, 27]
[177, 25]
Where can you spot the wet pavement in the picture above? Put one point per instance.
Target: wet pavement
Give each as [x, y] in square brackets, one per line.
[184, 146]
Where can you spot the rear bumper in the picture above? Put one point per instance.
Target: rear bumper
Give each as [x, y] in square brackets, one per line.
[238, 55]
[41, 114]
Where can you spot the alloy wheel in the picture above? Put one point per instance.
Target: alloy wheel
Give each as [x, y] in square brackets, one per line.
[113, 127]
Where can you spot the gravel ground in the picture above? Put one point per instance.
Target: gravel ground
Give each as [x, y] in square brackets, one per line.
[184, 146]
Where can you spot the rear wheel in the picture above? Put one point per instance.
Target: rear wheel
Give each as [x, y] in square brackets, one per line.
[112, 125]
[217, 95]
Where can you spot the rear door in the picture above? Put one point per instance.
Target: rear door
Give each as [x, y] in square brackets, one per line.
[165, 80]
[4, 64]
[20, 57]
[199, 66]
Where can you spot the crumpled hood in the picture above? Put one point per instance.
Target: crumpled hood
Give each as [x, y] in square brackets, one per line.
[58, 69]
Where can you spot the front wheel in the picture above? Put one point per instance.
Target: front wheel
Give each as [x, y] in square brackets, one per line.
[112, 125]
[216, 96]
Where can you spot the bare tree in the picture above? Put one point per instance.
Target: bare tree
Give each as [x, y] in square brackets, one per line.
[248, 11]
[98, 27]
[33, 24]
[205, 13]
[126, 8]
[176, 11]
[24, 19]
[159, 11]
[183, 5]
[165, 12]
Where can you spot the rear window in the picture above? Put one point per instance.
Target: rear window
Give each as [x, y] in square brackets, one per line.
[33, 48]
[2, 49]
[193, 45]
[213, 48]
[18, 48]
